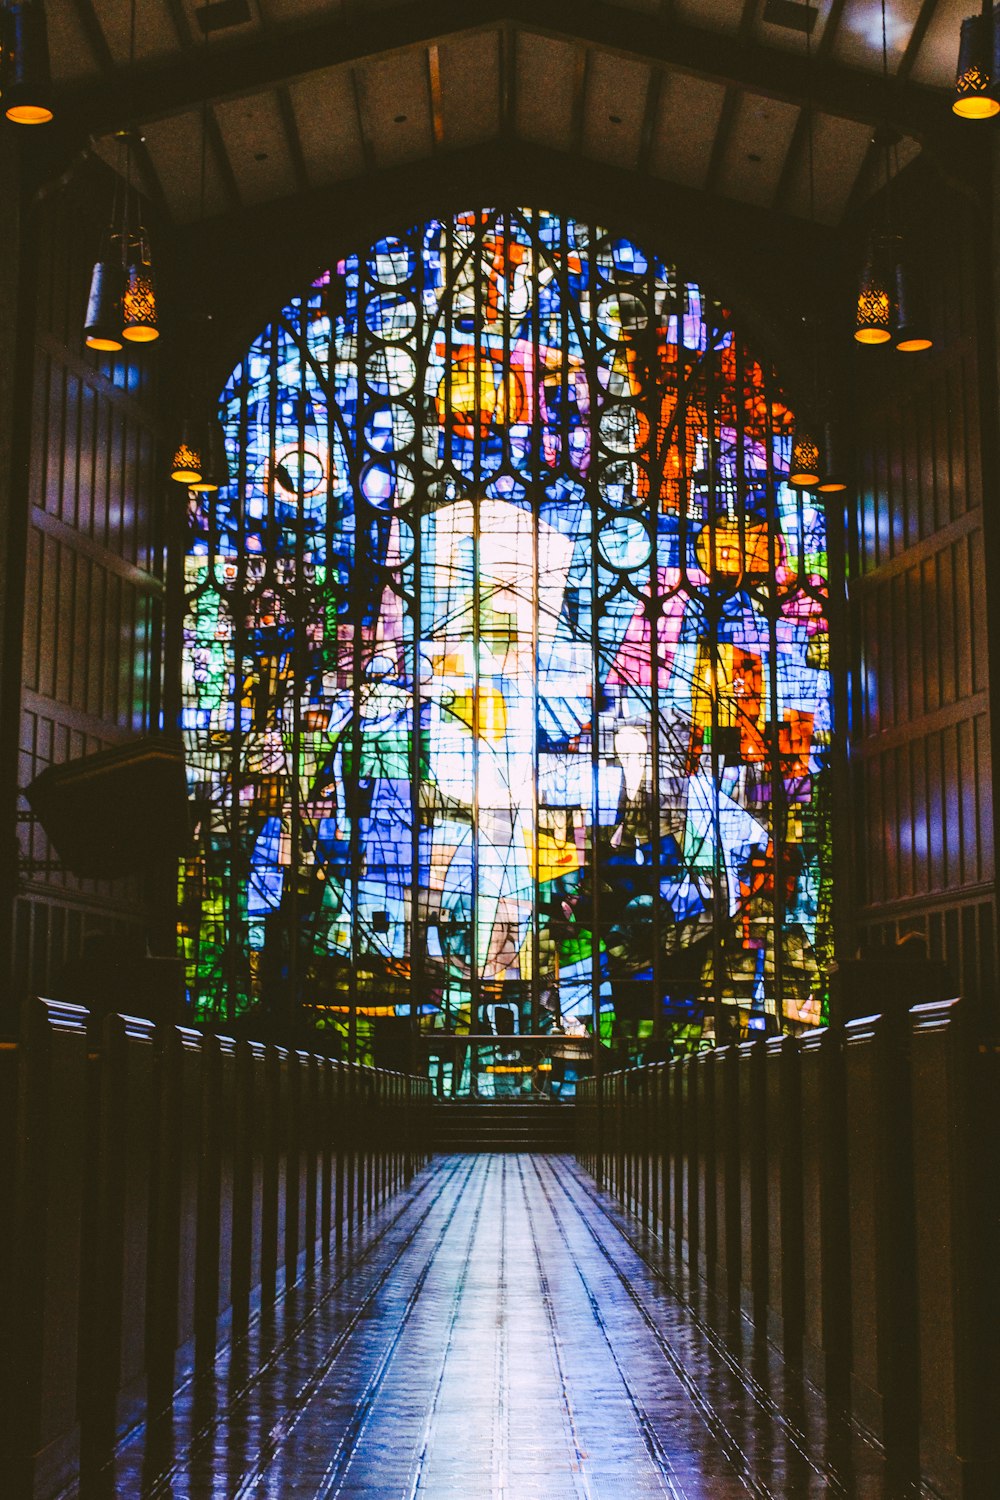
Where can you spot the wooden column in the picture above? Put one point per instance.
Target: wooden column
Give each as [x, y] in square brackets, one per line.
[126, 1145]
[326, 1106]
[782, 1131]
[705, 1067]
[955, 1198]
[656, 1146]
[248, 1179]
[753, 1182]
[678, 1132]
[216, 1188]
[174, 1235]
[884, 1356]
[311, 1177]
[341, 1147]
[692, 1133]
[826, 1307]
[47, 1231]
[727, 1175]
[273, 1186]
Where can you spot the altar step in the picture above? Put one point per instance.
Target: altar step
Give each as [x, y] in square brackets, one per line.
[502, 1126]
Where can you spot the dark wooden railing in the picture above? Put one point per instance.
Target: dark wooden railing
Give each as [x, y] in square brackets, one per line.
[159, 1186]
[839, 1190]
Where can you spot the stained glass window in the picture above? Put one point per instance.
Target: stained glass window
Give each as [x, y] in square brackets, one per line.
[506, 657]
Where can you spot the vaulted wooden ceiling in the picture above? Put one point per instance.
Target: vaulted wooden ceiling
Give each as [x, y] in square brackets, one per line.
[709, 94]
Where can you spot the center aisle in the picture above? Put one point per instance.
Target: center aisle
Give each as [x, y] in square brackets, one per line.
[496, 1334]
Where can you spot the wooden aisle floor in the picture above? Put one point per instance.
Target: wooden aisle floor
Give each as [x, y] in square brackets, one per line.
[497, 1332]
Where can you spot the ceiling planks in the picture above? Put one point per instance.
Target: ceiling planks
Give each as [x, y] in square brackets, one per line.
[293, 141]
[471, 89]
[174, 147]
[687, 127]
[397, 108]
[759, 134]
[617, 102]
[327, 120]
[254, 143]
[546, 82]
[932, 50]
[704, 93]
[288, 53]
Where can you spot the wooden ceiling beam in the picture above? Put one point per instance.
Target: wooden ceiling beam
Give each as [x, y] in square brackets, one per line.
[924, 17]
[190, 50]
[721, 139]
[826, 41]
[797, 147]
[94, 33]
[358, 93]
[650, 117]
[727, 116]
[293, 139]
[578, 113]
[176, 84]
[97, 41]
[434, 86]
[508, 81]
[799, 142]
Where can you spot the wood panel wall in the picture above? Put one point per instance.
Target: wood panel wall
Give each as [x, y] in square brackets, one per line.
[92, 661]
[920, 715]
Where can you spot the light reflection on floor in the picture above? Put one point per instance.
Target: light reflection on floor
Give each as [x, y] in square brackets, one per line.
[497, 1333]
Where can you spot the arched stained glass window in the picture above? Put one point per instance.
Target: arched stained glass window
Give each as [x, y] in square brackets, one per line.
[506, 655]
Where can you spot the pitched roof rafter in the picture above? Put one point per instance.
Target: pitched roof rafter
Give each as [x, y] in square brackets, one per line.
[282, 54]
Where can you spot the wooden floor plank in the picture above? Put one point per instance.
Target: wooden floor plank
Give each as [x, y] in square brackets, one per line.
[498, 1333]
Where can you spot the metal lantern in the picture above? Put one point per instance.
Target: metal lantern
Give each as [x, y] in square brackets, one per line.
[26, 77]
[912, 334]
[832, 469]
[803, 471]
[977, 73]
[873, 322]
[140, 314]
[186, 466]
[103, 323]
[215, 468]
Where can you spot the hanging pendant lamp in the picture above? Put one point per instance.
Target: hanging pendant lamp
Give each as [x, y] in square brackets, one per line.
[215, 466]
[873, 320]
[140, 314]
[978, 74]
[804, 469]
[103, 322]
[187, 464]
[804, 465]
[26, 77]
[833, 471]
[884, 310]
[912, 334]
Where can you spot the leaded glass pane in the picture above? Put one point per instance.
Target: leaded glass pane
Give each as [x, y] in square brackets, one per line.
[506, 657]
